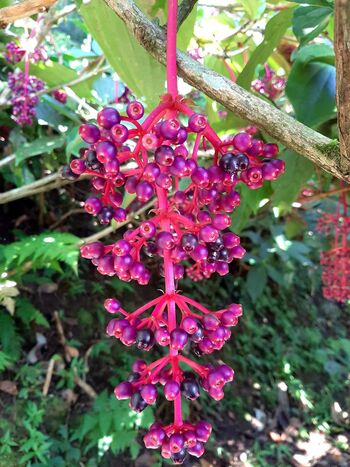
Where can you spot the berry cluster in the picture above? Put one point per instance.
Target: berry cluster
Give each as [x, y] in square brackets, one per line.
[15, 53]
[149, 160]
[24, 87]
[60, 95]
[158, 161]
[24, 96]
[335, 262]
[176, 442]
[202, 330]
[269, 85]
[336, 273]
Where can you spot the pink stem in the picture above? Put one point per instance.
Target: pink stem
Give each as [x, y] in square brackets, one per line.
[196, 146]
[25, 82]
[196, 304]
[169, 290]
[201, 370]
[145, 307]
[171, 70]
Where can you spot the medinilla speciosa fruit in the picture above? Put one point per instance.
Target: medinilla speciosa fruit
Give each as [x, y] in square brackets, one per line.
[156, 159]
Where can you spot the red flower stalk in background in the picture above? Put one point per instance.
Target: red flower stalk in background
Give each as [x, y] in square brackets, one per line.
[270, 85]
[336, 261]
[157, 159]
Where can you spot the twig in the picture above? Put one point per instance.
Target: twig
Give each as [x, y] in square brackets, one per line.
[25, 9]
[184, 10]
[51, 19]
[319, 149]
[310, 199]
[64, 217]
[50, 182]
[48, 377]
[89, 390]
[76, 81]
[7, 160]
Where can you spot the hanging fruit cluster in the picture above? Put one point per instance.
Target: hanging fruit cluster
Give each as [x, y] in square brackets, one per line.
[24, 86]
[335, 262]
[157, 159]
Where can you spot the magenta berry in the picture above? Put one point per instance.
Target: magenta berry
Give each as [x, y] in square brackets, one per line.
[89, 133]
[108, 117]
[119, 133]
[135, 110]
[197, 123]
[112, 305]
[124, 390]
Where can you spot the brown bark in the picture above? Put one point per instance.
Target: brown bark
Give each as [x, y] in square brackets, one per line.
[319, 149]
[9, 14]
[342, 56]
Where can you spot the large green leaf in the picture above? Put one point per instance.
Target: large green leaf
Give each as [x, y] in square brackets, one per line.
[137, 69]
[256, 281]
[39, 146]
[315, 53]
[311, 90]
[250, 203]
[309, 21]
[186, 30]
[254, 8]
[287, 187]
[55, 74]
[315, 2]
[275, 30]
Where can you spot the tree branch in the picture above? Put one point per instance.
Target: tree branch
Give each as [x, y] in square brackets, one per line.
[24, 9]
[50, 182]
[184, 10]
[342, 60]
[293, 134]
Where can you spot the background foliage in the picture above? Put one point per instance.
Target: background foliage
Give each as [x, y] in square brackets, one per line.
[291, 352]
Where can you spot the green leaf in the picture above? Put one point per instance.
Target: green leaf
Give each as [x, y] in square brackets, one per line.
[311, 90]
[74, 142]
[39, 146]
[294, 227]
[186, 30]
[287, 187]
[56, 74]
[275, 30]
[47, 114]
[254, 8]
[250, 201]
[315, 2]
[310, 21]
[10, 340]
[136, 68]
[42, 250]
[27, 313]
[315, 53]
[256, 281]
[122, 440]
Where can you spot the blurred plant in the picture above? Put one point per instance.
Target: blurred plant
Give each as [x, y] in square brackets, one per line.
[335, 262]
[269, 84]
[24, 86]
